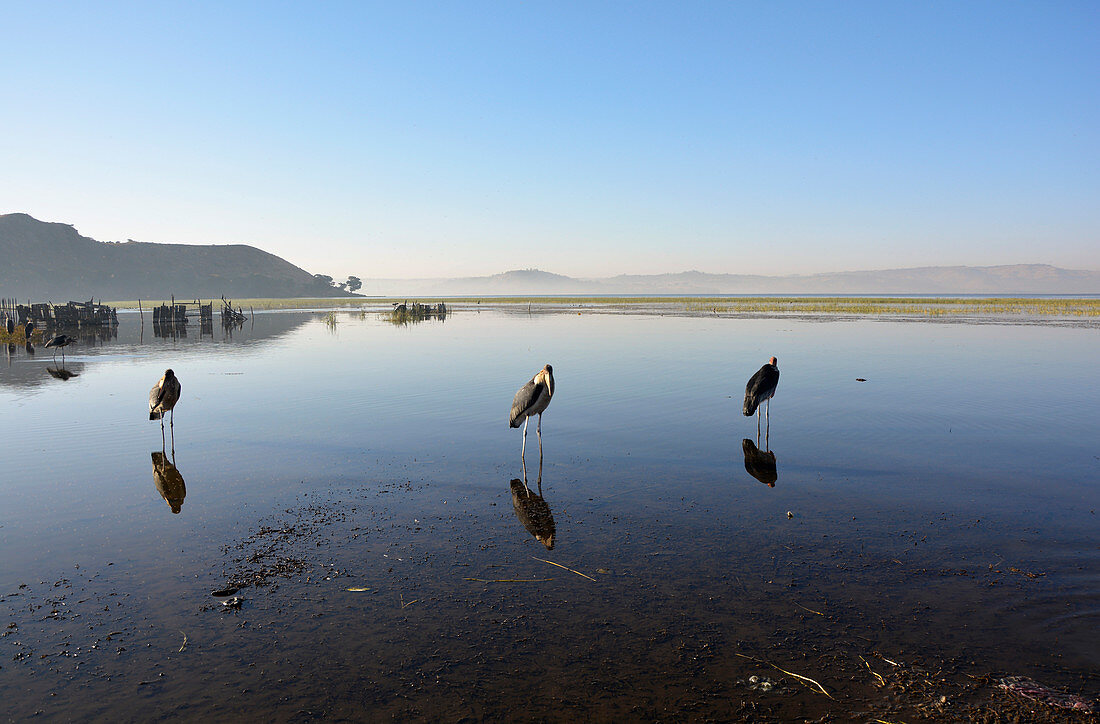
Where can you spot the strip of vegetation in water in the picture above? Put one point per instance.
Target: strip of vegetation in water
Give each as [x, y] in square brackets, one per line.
[906, 306]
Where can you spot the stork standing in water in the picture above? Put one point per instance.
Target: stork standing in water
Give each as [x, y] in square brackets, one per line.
[759, 391]
[163, 398]
[60, 341]
[531, 400]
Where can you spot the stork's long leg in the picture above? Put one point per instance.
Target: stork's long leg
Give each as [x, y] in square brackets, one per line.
[767, 438]
[540, 474]
[523, 448]
[538, 429]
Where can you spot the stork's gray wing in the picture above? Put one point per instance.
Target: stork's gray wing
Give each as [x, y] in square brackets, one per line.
[523, 401]
[155, 395]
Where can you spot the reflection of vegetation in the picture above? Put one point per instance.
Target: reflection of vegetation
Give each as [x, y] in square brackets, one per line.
[406, 313]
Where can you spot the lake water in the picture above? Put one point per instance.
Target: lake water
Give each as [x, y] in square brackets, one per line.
[919, 535]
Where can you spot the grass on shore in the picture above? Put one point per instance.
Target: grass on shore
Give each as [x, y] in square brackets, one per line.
[903, 306]
[17, 337]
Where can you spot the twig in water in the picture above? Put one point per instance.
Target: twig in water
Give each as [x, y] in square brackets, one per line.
[881, 681]
[788, 673]
[819, 613]
[184, 643]
[568, 569]
[403, 604]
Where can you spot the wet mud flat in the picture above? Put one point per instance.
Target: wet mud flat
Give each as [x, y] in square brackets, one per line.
[342, 604]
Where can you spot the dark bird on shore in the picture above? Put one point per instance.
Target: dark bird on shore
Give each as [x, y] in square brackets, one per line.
[11, 325]
[760, 390]
[61, 341]
[163, 398]
[27, 329]
[759, 463]
[531, 400]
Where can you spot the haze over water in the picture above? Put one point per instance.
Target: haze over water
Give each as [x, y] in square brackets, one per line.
[940, 514]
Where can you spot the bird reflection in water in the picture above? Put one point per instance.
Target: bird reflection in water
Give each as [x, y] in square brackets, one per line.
[61, 373]
[168, 481]
[30, 349]
[759, 463]
[532, 510]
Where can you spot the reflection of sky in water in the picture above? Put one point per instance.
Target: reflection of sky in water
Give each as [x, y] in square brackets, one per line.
[920, 500]
[995, 420]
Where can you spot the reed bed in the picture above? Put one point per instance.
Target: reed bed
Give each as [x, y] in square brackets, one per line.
[17, 337]
[883, 305]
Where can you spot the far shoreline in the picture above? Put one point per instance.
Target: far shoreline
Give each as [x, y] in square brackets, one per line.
[1002, 308]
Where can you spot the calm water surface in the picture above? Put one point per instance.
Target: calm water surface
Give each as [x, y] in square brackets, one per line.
[940, 518]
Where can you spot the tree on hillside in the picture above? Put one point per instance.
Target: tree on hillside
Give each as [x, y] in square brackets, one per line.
[354, 284]
[324, 279]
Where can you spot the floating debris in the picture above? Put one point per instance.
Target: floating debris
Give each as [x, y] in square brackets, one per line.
[582, 575]
[222, 593]
[234, 603]
[1031, 689]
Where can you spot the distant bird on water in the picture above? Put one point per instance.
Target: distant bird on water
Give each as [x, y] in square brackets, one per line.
[760, 390]
[163, 398]
[531, 400]
[60, 341]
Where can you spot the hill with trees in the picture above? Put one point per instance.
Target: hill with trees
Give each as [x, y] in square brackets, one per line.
[44, 261]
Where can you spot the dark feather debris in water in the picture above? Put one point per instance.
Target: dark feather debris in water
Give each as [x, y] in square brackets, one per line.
[1031, 689]
[861, 379]
[223, 592]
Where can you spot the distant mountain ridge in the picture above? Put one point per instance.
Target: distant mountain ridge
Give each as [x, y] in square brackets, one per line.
[44, 260]
[994, 280]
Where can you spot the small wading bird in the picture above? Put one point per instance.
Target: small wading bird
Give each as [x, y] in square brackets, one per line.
[163, 398]
[531, 400]
[61, 341]
[759, 391]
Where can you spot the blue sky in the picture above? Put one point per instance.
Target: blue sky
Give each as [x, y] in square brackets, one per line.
[409, 139]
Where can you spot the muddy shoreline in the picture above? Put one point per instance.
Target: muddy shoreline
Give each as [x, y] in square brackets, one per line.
[350, 610]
